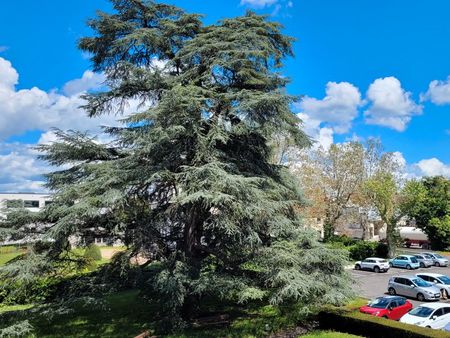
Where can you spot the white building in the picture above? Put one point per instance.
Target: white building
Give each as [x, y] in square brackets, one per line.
[30, 201]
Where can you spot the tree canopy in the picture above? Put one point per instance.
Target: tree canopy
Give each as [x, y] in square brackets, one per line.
[187, 180]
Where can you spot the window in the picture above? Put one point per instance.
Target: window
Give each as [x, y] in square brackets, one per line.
[393, 304]
[401, 301]
[446, 310]
[48, 202]
[418, 256]
[399, 280]
[438, 312]
[31, 204]
[14, 204]
[424, 277]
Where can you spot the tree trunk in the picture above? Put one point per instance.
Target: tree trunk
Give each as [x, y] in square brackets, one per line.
[391, 239]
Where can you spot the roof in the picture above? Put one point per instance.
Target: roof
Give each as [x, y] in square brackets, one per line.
[376, 258]
[410, 256]
[404, 276]
[435, 305]
[392, 297]
[431, 274]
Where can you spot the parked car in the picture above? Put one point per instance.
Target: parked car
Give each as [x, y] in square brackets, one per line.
[424, 261]
[412, 286]
[438, 260]
[441, 281]
[447, 327]
[405, 261]
[435, 315]
[392, 307]
[374, 264]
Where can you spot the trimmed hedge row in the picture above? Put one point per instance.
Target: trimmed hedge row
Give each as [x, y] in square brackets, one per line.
[373, 327]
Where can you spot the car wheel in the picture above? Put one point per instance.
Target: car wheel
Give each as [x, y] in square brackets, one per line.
[428, 327]
[392, 291]
[390, 264]
[408, 267]
[376, 269]
[420, 297]
[357, 267]
[422, 265]
[385, 317]
[437, 264]
[445, 294]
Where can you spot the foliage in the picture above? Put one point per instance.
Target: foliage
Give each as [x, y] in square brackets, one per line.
[188, 179]
[369, 326]
[93, 252]
[362, 250]
[428, 204]
[385, 192]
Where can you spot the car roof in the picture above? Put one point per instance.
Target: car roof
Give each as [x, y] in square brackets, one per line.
[435, 305]
[404, 276]
[392, 297]
[431, 274]
[404, 256]
[378, 258]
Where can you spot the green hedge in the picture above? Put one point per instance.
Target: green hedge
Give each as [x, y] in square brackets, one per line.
[373, 327]
[363, 249]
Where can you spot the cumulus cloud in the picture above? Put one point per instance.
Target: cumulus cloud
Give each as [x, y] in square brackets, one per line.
[20, 170]
[89, 80]
[323, 136]
[433, 167]
[35, 109]
[438, 92]
[391, 106]
[337, 109]
[258, 3]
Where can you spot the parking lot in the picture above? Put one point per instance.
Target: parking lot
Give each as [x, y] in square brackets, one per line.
[370, 284]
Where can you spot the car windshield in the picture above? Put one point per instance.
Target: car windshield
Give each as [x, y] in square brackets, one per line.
[445, 280]
[379, 303]
[438, 256]
[421, 311]
[421, 282]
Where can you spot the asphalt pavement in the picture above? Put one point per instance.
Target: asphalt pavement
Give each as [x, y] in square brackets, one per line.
[371, 285]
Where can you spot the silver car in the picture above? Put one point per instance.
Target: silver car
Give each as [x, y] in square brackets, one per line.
[441, 281]
[414, 287]
[438, 260]
[424, 261]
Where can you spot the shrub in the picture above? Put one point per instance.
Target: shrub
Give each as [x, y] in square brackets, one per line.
[93, 252]
[344, 240]
[373, 327]
[364, 249]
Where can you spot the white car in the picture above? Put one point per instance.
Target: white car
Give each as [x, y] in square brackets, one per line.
[433, 315]
[374, 264]
[438, 279]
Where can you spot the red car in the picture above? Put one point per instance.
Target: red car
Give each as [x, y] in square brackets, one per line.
[392, 307]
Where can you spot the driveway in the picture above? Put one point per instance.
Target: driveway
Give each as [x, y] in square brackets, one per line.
[370, 284]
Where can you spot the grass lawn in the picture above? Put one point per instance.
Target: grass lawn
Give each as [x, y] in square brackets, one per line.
[127, 315]
[328, 334]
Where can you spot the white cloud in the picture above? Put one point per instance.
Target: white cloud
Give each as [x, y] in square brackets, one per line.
[391, 106]
[35, 109]
[337, 109]
[89, 80]
[323, 137]
[258, 3]
[20, 170]
[433, 167]
[438, 92]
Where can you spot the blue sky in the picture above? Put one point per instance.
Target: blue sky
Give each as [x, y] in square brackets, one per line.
[365, 68]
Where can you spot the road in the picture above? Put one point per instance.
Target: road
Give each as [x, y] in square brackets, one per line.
[370, 284]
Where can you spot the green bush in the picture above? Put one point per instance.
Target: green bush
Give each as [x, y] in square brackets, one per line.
[93, 252]
[373, 327]
[364, 249]
[344, 240]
